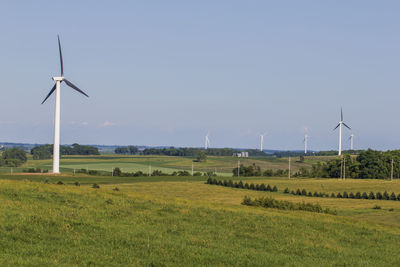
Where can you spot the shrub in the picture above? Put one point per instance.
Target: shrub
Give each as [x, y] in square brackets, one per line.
[116, 189]
[391, 209]
[257, 187]
[117, 172]
[219, 182]
[333, 195]
[77, 184]
[398, 197]
[298, 192]
[109, 201]
[60, 183]
[339, 195]
[246, 185]
[275, 189]
[293, 193]
[358, 195]
[214, 181]
[197, 174]
[95, 186]
[286, 191]
[386, 195]
[371, 195]
[352, 195]
[303, 192]
[268, 188]
[263, 187]
[376, 207]
[379, 195]
[209, 181]
[393, 196]
[364, 195]
[321, 194]
[252, 187]
[309, 194]
[230, 183]
[240, 185]
[345, 195]
[246, 201]
[315, 194]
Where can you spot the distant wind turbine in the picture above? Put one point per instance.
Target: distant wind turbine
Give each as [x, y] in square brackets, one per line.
[207, 141]
[351, 138]
[305, 143]
[340, 124]
[56, 87]
[262, 141]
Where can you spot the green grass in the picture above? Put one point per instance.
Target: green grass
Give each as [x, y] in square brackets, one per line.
[51, 225]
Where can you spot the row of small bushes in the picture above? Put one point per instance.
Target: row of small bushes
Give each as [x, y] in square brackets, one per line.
[269, 202]
[358, 195]
[118, 172]
[37, 170]
[230, 183]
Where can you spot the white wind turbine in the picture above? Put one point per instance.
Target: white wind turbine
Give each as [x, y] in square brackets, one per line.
[262, 141]
[340, 124]
[351, 138]
[207, 141]
[56, 87]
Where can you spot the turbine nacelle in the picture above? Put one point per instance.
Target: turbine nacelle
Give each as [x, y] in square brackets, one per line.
[61, 78]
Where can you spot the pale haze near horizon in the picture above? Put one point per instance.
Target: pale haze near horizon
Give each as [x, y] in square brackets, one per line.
[166, 73]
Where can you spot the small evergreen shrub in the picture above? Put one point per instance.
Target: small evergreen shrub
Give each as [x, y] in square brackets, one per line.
[309, 194]
[95, 186]
[269, 188]
[246, 185]
[339, 195]
[333, 195]
[286, 191]
[303, 192]
[294, 193]
[386, 195]
[298, 192]
[379, 195]
[116, 189]
[352, 195]
[60, 183]
[241, 185]
[257, 187]
[364, 196]
[393, 196]
[263, 187]
[77, 184]
[275, 189]
[345, 195]
[371, 195]
[316, 194]
[358, 195]
[252, 187]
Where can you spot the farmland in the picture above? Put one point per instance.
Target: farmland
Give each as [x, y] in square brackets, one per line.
[46, 219]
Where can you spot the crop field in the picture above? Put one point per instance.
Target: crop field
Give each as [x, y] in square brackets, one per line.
[182, 221]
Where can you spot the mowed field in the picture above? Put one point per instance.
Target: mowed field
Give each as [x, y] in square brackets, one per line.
[221, 165]
[181, 221]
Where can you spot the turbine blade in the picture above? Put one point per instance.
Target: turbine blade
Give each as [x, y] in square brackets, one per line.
[346, 126]
[74, 87]
[61, 60]
[341, 114]
[49, 94]
[336, 127]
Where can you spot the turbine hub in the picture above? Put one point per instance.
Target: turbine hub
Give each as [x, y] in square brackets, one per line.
[58, 78]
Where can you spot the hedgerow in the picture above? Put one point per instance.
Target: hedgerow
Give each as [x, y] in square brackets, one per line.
[269, 202]
[240, 185]
[371, 195]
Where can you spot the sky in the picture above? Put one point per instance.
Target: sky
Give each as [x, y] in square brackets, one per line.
[165, 73]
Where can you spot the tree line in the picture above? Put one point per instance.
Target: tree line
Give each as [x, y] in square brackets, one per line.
[46, 151]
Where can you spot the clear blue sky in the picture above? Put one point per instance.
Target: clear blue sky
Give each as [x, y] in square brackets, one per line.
[167, 72]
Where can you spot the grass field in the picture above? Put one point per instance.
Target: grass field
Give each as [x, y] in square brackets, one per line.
[183, 221]
[221, 165]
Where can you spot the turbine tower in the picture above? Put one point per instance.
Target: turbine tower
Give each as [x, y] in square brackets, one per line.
[56, 87]
[305, 143]
[351, 138]
[207, 141]
[262, 141]
[340, 124]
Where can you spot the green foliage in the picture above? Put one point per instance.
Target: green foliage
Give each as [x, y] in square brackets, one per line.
[117, 171]
[268, 202]
[13, 157]
[95, 186]
[364, 195]
[377, 207]
[286, 191]
[379, 196]
[371, 195]
[201, 156]
[275, 189]
[77, 184]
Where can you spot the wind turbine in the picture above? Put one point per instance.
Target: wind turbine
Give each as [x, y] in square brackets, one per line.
[56, 87]
[305, 143]
[351, 138]
[207, 141]
[340, 124]
[262, 141]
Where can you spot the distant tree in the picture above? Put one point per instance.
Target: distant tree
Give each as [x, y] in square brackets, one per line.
[201, 156]
[42, 152]
[121, 150]
[13, 157]
[133, 150]
[117, 172]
